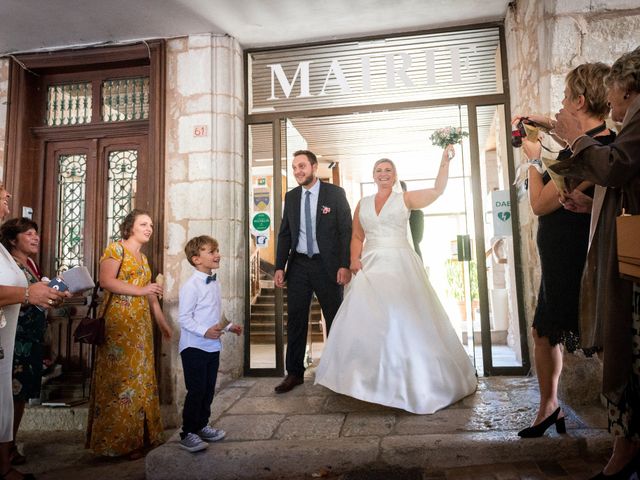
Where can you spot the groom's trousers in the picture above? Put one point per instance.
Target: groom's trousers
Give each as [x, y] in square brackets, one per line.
[306, 276]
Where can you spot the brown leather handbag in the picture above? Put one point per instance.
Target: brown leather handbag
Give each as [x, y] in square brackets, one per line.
[628, 235]
[91, 328]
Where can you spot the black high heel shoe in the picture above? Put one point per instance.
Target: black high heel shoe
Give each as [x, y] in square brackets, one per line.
[539, 429]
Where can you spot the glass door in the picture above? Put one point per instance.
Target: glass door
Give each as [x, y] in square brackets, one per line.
[465, 236]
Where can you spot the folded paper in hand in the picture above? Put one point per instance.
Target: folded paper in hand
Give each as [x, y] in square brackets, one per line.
[558, 180]
[77, 279]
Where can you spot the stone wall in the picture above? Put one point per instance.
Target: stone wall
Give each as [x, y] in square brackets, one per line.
[4, 98]
[204, 184]
[545, 40]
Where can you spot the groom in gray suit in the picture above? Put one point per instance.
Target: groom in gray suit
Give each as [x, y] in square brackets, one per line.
[313, 245]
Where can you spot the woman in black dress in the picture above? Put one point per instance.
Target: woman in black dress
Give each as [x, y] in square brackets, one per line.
[562, 239]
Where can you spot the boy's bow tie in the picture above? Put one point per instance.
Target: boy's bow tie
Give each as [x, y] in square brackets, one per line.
[211, 278]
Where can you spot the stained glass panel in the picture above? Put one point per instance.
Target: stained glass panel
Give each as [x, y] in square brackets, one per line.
[69, 104]
[123, 172]
[125, 99]
[72, 178]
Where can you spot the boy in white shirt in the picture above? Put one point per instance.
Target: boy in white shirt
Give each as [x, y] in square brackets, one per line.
[201, 325]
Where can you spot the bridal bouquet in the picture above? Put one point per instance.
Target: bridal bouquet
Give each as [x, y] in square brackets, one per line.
[447, 136]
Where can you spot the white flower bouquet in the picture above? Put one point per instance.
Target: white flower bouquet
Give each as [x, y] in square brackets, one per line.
[447, 136]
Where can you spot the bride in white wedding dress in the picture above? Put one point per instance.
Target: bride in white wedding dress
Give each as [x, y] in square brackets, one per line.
[391, 341]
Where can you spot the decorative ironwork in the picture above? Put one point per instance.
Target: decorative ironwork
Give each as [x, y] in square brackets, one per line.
[69, 104]
[123, 173]
[125, 99]
[72, 179]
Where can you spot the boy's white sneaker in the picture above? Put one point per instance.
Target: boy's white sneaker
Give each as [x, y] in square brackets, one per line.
[210, 434]
[193, 443]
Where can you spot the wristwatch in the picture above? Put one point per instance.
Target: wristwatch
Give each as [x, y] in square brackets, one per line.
[536, 163]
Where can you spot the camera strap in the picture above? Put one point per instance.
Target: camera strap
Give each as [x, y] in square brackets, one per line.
[591, 133]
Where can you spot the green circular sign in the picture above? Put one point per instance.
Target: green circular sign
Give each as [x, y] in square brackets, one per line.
[261, 222]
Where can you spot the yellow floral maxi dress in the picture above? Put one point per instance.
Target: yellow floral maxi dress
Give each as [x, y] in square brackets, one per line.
[124, 408]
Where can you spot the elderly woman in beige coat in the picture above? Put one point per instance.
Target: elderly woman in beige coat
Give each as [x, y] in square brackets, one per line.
[610, 304]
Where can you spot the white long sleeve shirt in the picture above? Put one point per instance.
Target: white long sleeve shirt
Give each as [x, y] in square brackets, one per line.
[199, 309]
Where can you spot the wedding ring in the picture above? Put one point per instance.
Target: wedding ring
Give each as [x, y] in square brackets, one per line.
[50, 302]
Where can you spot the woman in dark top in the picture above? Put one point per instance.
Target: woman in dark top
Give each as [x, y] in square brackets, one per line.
[562, 239]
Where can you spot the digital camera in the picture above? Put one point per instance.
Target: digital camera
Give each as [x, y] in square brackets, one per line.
[519, 133]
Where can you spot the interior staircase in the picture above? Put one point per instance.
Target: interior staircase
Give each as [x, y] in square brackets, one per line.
[263, 317]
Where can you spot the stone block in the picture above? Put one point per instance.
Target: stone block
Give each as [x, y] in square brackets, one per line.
[51, 419]
[198, 104]
[264, 387]
[177, 44]
[176, 238]
[223, 400]
[189, 201]
[581, 379]
[441, 450]
[250, 427]
[224, 103]
[223, 135]
[288, 405]
[200, 41]
[188, 142]
[593, 7]
[194, 72]
[200, 166]
[566, 42]
[310, 426]
[201, 227]
[342, 403]
[221, 164]
[440, 422]
[609, 37]
[175, 165]
[266, 459]
[365, 424]
[563, 7]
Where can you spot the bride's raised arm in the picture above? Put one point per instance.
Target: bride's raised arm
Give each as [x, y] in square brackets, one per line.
[418, 199]
[357, 240]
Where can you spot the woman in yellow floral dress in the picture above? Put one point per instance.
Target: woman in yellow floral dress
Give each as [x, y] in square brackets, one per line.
[124, 408]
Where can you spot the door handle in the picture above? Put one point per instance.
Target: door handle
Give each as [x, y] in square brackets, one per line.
[464, 248]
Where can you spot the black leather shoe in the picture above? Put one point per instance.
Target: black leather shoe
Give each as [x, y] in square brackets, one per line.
[289, 383]
[539, 429]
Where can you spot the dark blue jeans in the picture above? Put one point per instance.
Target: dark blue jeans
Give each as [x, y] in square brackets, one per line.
[200, 374]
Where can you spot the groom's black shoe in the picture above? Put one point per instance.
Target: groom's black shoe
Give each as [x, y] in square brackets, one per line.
[289, 383]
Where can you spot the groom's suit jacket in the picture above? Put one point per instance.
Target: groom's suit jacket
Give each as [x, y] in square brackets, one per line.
[332, 228]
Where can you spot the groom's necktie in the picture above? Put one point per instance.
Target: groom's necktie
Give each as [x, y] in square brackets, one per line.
[307, 223]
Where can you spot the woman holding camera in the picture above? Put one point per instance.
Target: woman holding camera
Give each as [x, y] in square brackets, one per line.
[562, 241]
[611, 303]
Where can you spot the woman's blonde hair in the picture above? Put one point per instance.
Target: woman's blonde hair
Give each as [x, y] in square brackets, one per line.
[625, 72]
[385, 160]
[588, 80]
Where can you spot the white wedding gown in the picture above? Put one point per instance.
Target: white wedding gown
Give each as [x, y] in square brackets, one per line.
[391, 341]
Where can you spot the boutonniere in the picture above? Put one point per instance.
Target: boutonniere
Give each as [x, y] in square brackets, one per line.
[325, 210]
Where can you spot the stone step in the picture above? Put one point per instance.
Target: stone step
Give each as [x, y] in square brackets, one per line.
[298, 458]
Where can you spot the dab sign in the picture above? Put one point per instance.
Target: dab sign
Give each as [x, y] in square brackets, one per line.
[501, 210]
